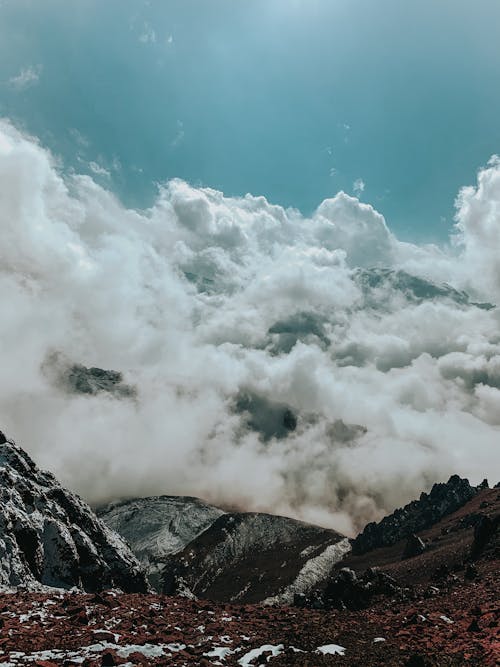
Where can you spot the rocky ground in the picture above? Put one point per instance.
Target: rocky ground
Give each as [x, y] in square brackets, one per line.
[419, 589]
[455, 623]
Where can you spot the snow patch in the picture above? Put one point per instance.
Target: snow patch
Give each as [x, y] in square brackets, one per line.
[314, 570]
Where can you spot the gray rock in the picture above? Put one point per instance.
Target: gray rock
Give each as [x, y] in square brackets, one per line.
[50, 537]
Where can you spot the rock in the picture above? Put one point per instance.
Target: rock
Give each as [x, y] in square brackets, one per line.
[417, 660]
[109, 659]
[484, 530]
[347, 590]
[418, 515]
[414, 547]
[50, 537]
[471, 572]
[78, 379]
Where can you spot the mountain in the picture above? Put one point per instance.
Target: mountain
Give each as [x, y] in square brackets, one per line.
[430, 508]
[433, 542]
[158, 526]
[50, 537]
[437, 608]
[191, 547]
[252, 557]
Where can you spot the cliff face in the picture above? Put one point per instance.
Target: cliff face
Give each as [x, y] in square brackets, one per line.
[50, 537]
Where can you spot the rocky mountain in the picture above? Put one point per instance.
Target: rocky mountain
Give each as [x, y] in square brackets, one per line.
[50, 537]
[252, 557]
[430, 508]
[197, 549]
[418, 589]
[438, 608]
[450, 546]
[159, 526]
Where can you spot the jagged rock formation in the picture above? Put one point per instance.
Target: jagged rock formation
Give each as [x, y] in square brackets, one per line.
[252, 557]
[417, 515]
[159, 526]
[82, 380]
[78, 379]
[50, 537]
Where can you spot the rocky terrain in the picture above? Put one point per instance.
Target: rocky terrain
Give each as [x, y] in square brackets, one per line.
[50, 537]
[419, 589]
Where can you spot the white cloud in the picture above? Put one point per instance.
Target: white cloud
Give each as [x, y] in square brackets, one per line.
[358, 187]
[27, 77]
[98, 170]
[179, 135]
[148, 34]
[203, 298]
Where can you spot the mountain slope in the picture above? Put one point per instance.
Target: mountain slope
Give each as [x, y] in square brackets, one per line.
[158, 526]
[50, 537]
[251, 557]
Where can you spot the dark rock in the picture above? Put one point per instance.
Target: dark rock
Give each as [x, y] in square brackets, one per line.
[347, 590]
[418, 515]
[109, 659]
[474, 626]
[417, 660]
[415, 546]
[484, 531]
[471, 572]
[78, 379]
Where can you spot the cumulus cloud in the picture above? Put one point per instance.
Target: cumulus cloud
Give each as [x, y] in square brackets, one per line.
[26, 78]
[315, 367]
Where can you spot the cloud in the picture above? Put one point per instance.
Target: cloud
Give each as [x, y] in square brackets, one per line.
[26, 78]
[312, 366]
[179, 135]
[98, 170]
[358, 187]
[148, 34]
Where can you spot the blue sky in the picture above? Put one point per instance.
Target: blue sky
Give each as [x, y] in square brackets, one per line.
[293, 99]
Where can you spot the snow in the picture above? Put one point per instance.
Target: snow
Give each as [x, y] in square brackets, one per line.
[147, 650]
[446, 620]
[246, 660]
[331, 649]
[314, 570]
[221, 652]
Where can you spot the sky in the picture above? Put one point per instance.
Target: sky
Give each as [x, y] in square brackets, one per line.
[396, 103]
[238, 207]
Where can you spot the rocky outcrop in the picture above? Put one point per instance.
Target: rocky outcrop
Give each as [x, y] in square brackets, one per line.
[50, 537]
[78, 379]
[417, 515]
[348, 590]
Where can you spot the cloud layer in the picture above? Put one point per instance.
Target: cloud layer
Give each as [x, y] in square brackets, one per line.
[228, 313]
